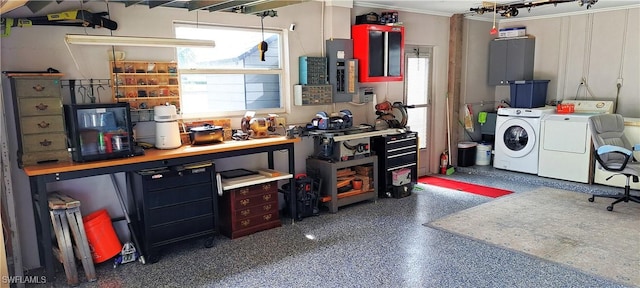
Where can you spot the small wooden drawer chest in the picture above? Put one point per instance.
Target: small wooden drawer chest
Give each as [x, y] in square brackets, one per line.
[37, 103]
[249, 209]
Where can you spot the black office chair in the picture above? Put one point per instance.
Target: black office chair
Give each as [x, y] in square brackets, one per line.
[612, 151]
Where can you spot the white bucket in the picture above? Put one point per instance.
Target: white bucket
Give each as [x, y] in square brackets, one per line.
[483, 154]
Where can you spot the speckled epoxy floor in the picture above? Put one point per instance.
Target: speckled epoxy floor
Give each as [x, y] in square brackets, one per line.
[369, 244]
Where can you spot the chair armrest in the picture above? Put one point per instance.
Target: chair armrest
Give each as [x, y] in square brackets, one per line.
[615, 165]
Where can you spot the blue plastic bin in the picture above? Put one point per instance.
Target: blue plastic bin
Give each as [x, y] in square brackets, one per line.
[528, 93]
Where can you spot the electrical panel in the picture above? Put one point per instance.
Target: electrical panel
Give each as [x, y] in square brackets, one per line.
[313, 70]
[312, 94]
[343, 69]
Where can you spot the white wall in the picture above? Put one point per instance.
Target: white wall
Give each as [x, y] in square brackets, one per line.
[599, 47]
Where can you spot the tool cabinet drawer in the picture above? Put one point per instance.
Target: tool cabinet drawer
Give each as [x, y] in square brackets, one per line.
[40, 106]
[168, 179]
[393, 143]
[44, 142]
[42, 124]
[40, 87]
[164, 215]
[401, 159]
[180, 230]
[179, 195]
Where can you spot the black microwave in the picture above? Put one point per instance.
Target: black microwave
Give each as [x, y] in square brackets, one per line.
[99, 131]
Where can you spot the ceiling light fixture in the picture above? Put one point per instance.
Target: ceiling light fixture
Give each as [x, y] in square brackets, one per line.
[136, 41]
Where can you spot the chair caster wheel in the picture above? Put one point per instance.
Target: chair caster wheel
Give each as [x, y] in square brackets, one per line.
[591, 199]
[609, 208]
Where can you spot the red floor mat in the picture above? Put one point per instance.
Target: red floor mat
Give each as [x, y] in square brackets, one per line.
[462, 186]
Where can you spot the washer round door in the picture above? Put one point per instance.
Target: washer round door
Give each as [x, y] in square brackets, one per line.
[517, 136]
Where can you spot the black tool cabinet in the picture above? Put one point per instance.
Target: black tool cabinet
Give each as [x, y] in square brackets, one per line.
[173, 204]
[395, 152]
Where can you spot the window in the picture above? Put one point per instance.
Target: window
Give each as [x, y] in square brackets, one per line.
[230, 78]
[418, 89]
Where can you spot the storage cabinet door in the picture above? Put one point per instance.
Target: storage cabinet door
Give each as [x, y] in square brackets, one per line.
[395, 54]
[497, 62]
[519, 59]
[376, 53]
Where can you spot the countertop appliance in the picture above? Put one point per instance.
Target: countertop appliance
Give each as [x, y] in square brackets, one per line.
[518, 138]
[565, 141]
[207, 134]
[167, 129]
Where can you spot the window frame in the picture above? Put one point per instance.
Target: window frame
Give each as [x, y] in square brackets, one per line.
[283, 72]
[417, 51]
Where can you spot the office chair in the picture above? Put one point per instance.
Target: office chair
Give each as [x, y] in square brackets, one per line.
[613, 154]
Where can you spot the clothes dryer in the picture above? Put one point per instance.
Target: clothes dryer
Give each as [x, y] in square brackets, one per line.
[518, 138]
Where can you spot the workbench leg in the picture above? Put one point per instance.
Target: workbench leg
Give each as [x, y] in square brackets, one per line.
[43, 224]
[293, 199]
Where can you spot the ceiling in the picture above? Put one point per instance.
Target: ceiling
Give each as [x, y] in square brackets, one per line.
[541, 8]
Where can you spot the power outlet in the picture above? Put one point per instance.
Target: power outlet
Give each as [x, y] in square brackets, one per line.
[281, 121]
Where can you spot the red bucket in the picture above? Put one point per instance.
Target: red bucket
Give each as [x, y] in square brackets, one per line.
[103, 241]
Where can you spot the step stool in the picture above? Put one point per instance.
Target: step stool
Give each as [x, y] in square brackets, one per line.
[65, 213]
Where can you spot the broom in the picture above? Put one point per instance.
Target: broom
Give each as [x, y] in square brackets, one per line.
[450, 169]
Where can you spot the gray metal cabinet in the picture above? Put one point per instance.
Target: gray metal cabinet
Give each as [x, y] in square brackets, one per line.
[511, 60]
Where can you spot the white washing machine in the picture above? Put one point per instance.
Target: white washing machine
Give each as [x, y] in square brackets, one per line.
[565, 143]
[518, 138]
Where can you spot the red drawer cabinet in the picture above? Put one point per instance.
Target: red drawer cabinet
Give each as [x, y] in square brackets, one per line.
[249, 209]
[380, 52]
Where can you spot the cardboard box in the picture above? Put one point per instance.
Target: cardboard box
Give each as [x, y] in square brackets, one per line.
[512, 32]
[401, 177]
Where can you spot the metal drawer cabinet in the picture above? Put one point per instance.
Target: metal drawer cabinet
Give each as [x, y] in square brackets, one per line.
[173, 205]
[395, 152]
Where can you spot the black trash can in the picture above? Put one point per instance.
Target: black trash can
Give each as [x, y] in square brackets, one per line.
[466, 154]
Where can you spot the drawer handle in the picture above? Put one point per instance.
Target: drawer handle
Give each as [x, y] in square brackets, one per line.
[244, 202]
[266, 186]
[45, 143]
[43, 124]
[38, 88]
[245, 223]
[267, 217]
[42, 106]
[266, 197]
[244, 191]
[266, 207]
[245, 212]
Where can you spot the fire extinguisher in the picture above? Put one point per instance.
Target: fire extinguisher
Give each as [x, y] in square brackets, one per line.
[444, 162]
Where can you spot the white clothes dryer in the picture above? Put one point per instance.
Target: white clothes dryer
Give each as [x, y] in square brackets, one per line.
[518, 138]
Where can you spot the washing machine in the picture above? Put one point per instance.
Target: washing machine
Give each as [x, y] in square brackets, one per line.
[518, 138]
[565, 143]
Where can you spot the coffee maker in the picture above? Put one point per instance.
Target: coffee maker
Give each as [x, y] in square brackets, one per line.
[167, 128]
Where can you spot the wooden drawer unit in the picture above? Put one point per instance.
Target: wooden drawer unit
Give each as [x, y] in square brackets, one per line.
[39, 117]
[249, 209]
[173, 205]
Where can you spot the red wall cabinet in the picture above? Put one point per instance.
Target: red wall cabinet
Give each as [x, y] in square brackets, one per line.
[380, 52]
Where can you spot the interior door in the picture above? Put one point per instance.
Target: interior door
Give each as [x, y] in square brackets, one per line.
[417, 81]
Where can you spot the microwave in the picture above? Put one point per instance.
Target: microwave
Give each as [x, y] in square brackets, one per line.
[99, 131]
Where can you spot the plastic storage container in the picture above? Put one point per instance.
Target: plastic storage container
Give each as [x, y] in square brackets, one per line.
[529, 93]
[483, 154]
[466, 153]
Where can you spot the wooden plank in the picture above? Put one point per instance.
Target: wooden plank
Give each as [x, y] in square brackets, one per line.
[346, 194]
[61, 230]
[82, 244]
